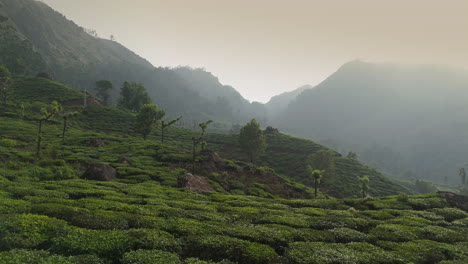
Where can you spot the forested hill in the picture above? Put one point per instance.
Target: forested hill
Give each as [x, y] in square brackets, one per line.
[409, 121]
[79, 59]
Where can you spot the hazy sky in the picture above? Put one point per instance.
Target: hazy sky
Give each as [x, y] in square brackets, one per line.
[265, 47]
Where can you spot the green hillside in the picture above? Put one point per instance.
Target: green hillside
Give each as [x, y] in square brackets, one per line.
[252, 215]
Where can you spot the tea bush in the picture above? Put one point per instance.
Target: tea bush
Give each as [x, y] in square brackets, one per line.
[29, 231]
[143, 256]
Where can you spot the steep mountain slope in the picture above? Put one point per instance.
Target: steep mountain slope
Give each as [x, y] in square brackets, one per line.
[78, 59]
[408, 120]
[279, 103]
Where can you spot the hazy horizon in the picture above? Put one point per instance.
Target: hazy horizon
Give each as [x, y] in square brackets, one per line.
[265, 48]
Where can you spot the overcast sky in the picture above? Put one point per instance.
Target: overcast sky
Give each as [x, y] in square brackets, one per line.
[265, 47]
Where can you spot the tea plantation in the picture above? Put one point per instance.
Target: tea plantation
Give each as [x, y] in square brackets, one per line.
[255, 215]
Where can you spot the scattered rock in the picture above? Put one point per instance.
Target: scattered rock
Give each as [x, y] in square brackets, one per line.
[212, 162]
[455, 200]
[194, 183]
[100, 172]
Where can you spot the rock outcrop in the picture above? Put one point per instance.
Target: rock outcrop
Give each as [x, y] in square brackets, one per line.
[455, 200]
[100, 172]
[194, 183]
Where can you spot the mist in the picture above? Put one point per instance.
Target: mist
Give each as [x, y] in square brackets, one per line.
[264, 48]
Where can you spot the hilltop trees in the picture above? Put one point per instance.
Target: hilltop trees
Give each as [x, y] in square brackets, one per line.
[133, 96]
[103, 88]
[149, 114]
[251, 140]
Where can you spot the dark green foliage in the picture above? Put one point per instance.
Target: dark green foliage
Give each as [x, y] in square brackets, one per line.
[364, 183]
[29, 231]
[104, 243]
[146, 118]
[150, 257]
[133, 96]
[104, 88]
[251, 140]
[322, 253]
[394, 232]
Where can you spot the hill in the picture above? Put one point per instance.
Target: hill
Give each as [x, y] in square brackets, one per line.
[78, 59]
[408, 121]
[254, 214]
[287, 156]
[279, 103]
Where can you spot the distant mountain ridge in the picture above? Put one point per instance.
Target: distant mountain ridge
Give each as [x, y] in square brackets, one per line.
[78, 59]
[404, 119]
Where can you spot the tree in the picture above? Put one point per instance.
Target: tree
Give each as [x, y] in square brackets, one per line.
[324, 160]
[364, 182]
[199, 140]
[462, 174]
[133, 96]
[317, 176]
[149, 114]
[6, 83]
[103, 88]
[66, 117]
[46, 113]
[165, 124]
[352, 155]
[251, 140]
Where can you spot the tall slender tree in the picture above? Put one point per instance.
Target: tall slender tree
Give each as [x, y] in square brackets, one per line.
[199, 140]
[66, 117]
[46, 113]
[317, 176]
[252, 140]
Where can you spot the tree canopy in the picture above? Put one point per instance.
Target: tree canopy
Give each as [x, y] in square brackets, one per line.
[103, 88]
[252, 140]
[133, 96]
[149, 114]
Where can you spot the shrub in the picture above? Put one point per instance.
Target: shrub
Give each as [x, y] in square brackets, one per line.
[8, 143]
[152, 239]
[425, 251]
[441, 234]
[29, 231]
[11, 206]
[450, 214]
[318, 252]
[395, 233]
[217, 248]
[345, 235]
[150, 257]
[104, 243]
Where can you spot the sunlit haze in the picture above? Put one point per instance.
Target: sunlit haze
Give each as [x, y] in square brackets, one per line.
[265, 47]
